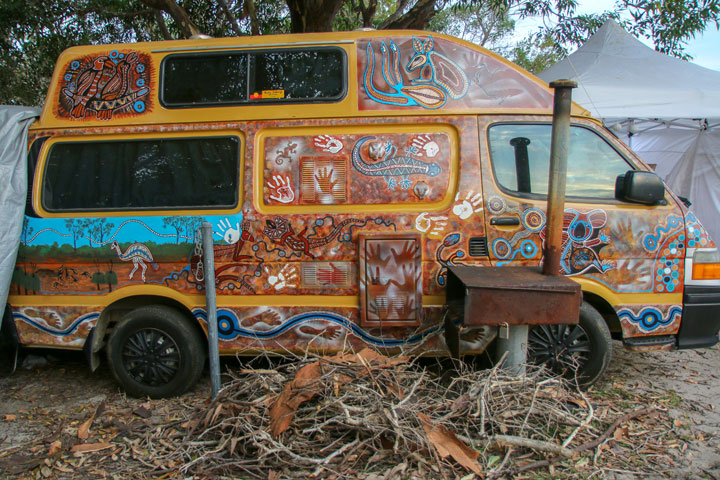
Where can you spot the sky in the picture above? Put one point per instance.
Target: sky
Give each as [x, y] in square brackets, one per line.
[705, 48]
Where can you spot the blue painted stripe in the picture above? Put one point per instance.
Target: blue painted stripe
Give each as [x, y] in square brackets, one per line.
[61, 333]
[293, 322]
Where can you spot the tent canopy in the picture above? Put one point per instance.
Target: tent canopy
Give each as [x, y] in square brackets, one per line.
[620, 77]
[666, 109]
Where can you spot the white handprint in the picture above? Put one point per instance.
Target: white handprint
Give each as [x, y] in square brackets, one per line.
[281, 191]
[230, 235]
[471, 204]
[328, 143]
[285, 278]
[432, 224]
[424, 142]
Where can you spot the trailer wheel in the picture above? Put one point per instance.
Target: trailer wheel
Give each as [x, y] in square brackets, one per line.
[579, 352]
[154, 351]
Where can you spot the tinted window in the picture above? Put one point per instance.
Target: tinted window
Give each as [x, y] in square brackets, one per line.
[521, 161]
[142, 174]
[253, 77]
[197, 79]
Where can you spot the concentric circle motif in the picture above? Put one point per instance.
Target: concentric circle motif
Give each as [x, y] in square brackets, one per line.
[528, 249]
[227, 324]
[75, 65]
[139, 106]
[533, 219]
[501, 248]
[496, 205]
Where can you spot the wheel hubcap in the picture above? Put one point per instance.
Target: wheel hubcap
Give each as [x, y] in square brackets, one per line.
[564, 348]
[151, 357]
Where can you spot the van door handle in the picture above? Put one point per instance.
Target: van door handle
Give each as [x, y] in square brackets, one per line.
[504, 221]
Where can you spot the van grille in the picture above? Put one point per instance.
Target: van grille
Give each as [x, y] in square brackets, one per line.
[477, 247]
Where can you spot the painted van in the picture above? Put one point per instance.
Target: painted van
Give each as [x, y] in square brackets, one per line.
[345, 174]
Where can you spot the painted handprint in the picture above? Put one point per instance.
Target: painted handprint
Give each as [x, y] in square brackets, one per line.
[325, 181]
[286, 277]
[472, 203]
[332, 275]
[227, 233]
[281, 190]
[407, 254]
[424, 142]
[328, 143]
[434, 225]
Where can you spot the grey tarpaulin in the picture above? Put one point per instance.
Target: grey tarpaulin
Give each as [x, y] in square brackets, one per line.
[14, 123]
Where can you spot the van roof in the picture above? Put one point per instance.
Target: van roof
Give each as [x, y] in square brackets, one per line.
[387, 72]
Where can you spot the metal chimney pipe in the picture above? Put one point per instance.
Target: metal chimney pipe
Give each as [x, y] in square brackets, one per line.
[558, 174]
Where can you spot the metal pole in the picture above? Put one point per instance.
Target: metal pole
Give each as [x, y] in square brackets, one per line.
[511, 348]
[558, 173]
[213, 350]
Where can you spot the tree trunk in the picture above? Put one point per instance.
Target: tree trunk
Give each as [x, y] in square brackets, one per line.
[313, 15]
[368, 13]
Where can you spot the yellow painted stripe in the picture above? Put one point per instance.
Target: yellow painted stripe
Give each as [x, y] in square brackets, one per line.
[192, 301]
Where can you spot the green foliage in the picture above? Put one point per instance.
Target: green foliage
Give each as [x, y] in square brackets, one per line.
[535, 54]
[482, 23]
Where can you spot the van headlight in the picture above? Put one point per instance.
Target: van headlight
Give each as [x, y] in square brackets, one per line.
[706, 264]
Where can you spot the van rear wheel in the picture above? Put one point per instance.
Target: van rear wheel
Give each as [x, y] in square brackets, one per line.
[154, 351]
[580, 352]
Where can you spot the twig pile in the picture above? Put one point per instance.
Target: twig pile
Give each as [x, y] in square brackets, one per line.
[366, 414]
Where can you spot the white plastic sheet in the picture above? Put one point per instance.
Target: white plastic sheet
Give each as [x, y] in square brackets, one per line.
[14, 123]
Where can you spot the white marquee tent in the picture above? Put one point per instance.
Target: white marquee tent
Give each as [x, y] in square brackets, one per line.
[666, 109]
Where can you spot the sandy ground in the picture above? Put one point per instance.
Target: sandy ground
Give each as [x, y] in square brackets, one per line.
[58, 391]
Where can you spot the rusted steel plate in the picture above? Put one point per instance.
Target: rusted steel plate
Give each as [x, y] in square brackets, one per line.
[513, 295]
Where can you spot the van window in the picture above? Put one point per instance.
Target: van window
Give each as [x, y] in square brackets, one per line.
[142, 174]
[521, 160]
[288, 75]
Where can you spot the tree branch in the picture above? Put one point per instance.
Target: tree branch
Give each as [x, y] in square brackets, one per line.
[161, 25]
[231, 18]
[181, 17]
[417, 17]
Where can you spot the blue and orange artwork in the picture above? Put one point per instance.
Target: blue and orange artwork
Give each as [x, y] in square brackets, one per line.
[427, 73]
[106, 86]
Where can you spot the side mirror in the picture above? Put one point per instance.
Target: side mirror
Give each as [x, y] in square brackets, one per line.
[640, 187]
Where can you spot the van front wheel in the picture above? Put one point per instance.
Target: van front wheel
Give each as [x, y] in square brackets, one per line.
[154, 351]
[579, 351]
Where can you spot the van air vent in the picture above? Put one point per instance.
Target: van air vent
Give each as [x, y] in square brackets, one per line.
[477, 247]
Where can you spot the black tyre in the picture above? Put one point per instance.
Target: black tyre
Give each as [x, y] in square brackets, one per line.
[580, 352]
[154, 351]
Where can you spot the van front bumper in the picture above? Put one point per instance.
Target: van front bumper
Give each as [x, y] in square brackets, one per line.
[700, 318]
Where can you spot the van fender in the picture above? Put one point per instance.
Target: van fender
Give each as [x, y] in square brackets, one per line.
[121, 302]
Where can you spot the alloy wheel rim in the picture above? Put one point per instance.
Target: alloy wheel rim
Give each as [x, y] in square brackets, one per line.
[151, 357]
[564, 348]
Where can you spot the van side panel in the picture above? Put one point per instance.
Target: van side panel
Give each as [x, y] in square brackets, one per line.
[287, 271]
